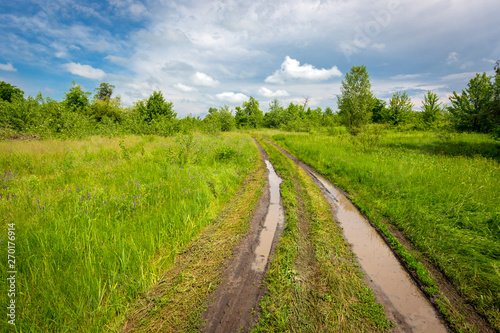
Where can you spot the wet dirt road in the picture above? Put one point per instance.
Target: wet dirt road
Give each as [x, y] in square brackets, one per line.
[235, 302]
[404, 302]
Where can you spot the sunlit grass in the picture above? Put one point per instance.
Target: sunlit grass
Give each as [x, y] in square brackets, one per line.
[442, 192]
[98, 221]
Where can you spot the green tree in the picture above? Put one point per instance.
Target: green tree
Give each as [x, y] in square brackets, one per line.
[227, 121]
[221, 119]
[473, 110]
[432, 111]
[9, 92]
[249, 114]
[379, 111]
[76, 99]
[496, 102]
[104, 91]
[356, 102]
[156, 106]
[400, 108]
[274, 117]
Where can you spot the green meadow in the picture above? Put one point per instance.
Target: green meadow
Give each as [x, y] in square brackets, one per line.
[440, 190]
[98, 221]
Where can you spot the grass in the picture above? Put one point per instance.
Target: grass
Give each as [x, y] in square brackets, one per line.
[176, 302]
[314, 283]
[442, 192]
[98, 221]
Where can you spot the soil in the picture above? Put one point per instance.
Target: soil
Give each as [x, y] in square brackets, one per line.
[234, 306]
[471, 317]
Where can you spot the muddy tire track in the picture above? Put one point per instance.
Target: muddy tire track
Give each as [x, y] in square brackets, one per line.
[472, 320]
[234, 306]
[405, 304]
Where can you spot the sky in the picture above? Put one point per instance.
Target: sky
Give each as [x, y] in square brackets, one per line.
[202, 53]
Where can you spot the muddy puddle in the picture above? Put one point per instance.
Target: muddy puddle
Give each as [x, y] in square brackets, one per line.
[274, 219]
[235, 303]
[392, 285]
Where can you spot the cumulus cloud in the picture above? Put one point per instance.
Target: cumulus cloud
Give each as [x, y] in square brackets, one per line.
[452, 58]
[85, 71]
[407, 76]
[203, 80]
[263, 91]
[232, 97]
[8, 67]
[184, 88]
[291, 69]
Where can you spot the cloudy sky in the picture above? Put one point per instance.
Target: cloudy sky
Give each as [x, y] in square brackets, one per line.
[203, 54]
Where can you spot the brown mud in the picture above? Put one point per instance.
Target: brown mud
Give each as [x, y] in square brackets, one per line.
[234, 306]
[405, 304]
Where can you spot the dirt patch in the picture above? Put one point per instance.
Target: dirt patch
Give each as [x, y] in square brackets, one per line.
[234, 306]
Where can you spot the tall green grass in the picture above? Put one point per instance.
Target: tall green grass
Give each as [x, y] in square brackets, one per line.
[98, 221]
[442, 192]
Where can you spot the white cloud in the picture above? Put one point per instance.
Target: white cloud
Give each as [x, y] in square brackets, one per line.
[452, 58]
[86, 71]
[263, 91]
[491, 61]
[406, 76]
[184, 88]
[291, 69]
[116, 59]
[231, 97]
[8, 67]
[459, 76]
[202, 79]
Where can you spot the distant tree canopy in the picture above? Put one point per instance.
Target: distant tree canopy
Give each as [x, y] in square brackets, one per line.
[400, 109]
[9, 92]
[104, 91]
[357, 101]
[156, 106]
[432, 111]
[249, 115]
[474, 108]
[76, 99]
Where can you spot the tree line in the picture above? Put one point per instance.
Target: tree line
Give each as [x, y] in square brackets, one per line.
[475, 109]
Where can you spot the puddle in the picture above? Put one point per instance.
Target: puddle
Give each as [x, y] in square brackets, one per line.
[381, 266]
[274, 218]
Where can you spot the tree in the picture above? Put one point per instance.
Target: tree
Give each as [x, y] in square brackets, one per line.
[226, 118]
[496, 102]
[76, 99]
[9, 92]
[249, 114]
[379, 111]
[432, 111]
[104, 91]
[156, 106]
[274, 118]
[400, 108]
[473, 110]
[356, 102]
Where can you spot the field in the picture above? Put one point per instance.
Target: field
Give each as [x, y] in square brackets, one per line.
[98, 221]
[441, 192]
[134, 232]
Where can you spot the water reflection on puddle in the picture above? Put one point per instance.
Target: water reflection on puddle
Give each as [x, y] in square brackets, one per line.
[381, 266]
[274, 218]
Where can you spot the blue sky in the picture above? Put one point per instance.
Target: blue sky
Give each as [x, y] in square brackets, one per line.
[203, 54]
